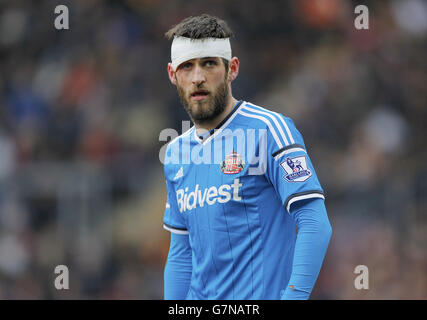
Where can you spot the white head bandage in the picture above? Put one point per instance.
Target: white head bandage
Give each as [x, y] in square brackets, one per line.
[184, 49]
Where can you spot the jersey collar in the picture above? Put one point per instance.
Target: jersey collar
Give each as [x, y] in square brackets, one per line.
[211, 133]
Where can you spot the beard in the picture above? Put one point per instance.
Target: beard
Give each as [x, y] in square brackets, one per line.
[209, 109]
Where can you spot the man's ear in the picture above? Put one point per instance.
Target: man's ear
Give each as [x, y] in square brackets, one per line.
[233, 69]
[171, 74]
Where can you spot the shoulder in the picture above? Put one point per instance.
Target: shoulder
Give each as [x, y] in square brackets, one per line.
[179, 139]
[174, 149]
[281, 128]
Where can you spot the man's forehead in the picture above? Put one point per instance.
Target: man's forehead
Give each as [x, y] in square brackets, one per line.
[198, 60]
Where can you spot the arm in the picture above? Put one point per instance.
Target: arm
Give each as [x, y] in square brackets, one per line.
[177, 274]
[314, 233]
[178, 269]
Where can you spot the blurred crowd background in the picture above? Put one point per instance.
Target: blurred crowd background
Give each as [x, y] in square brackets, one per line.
[81, 110]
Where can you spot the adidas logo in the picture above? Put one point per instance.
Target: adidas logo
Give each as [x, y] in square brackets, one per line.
[179, 174]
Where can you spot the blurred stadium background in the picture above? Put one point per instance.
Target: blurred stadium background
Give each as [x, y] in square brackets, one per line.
[81, 110]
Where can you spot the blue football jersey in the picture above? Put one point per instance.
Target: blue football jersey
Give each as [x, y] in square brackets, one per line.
[231, 192]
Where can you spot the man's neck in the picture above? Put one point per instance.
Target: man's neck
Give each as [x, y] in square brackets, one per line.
[212, 124]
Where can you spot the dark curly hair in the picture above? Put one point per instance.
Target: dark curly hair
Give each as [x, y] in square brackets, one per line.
[199, 27]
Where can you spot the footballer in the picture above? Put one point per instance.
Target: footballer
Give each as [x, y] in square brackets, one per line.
[245, 208]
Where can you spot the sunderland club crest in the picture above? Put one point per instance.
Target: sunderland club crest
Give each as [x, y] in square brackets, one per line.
[232, 164]
[296, 169]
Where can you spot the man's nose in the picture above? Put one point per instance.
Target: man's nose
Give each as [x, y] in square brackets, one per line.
[198, 76]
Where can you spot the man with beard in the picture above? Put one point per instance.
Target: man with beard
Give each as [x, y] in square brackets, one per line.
[233, 213]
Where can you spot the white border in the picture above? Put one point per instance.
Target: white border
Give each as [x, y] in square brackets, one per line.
[281, 154]
[176, 231]
[304, 197]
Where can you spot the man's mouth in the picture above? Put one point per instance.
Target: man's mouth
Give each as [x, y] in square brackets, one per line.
[199, 95]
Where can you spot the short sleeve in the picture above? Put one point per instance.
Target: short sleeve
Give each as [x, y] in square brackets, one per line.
[290, 170]
[173, 220]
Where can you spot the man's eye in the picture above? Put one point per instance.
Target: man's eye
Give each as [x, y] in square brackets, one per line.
[186, 66]
[210, 63]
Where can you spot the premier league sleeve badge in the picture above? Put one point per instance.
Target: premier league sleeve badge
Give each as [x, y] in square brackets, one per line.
[296, 169]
